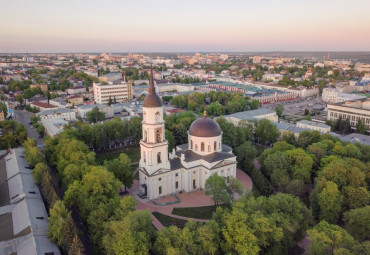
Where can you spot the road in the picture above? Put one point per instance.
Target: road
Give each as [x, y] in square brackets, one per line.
[22, 116]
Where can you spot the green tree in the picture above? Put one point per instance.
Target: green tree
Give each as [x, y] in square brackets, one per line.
[267, 131]
[121, 169]
[95, 115]
[361, 127]
[356, 222]
[33, 156]
[279, 109]
[4, 109]
[234, 186]
[245, 154]
[57, 220]
[327, 239]
[39, 171]
[216, 188]
[171, 140]
[330, 201]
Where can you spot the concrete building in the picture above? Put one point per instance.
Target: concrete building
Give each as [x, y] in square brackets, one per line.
[76, 90]
[332, 95]
[83, 109]
[43, 106]
[257, 114]
[187, 168]
[322, 128]
[53, 127]
[65, 114]
[23, 216]
[353, 110]
[110, 77]
[43, 87]
[119, 92]
[75, 99]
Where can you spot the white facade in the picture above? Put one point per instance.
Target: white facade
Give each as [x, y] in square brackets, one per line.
[332, 95]
[83, 109]
[65, 114]
[323, 128]
[121, 92]
[76, 90]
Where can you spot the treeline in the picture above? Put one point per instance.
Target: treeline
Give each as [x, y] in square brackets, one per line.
[111, 221]
[215, 103]
[13, 134]
[62, 229]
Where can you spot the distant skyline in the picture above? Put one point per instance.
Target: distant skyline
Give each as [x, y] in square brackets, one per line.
[184, 26]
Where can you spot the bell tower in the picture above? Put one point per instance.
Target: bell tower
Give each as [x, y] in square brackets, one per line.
[153, 145]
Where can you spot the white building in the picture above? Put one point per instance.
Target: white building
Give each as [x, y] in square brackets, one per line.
[323, 128]
[257, 114]
[83, 109]
[353, 110]
[332, 95]
[110, 77]
[53, 127]
[76, 90]
[119, 92]
[65, 114]
[188, 168]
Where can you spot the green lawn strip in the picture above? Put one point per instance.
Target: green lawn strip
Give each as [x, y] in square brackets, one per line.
[202, 212]
[168, 220]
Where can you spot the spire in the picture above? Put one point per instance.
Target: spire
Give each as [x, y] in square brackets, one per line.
[205, 114]
[151, 82]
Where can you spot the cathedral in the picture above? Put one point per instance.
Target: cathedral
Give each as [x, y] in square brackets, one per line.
[187, 168]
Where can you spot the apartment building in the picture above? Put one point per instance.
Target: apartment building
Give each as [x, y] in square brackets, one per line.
[353, 110]
[118, 92]
[323, 128]
[332, 95]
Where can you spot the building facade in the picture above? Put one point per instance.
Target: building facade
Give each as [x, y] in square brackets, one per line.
[353, 110]
[187, 168]
[119, 92]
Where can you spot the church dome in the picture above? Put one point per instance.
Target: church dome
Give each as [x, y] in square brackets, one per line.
[205, 127]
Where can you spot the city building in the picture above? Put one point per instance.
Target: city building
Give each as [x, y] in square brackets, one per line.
[53, 127]
[43, 106]
[43, 87]
[110, 77]
[257, 114]
[65, 114]
[322, 128]
[23, 216]
[75, 99]
[187, 168]
[83, 109]
[353, 110]
[118, 92]
[332, 95]
[76, 90]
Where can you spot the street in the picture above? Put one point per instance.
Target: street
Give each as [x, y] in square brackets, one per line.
[22, 116]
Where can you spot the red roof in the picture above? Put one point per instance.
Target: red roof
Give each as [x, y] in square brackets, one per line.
[43, 105]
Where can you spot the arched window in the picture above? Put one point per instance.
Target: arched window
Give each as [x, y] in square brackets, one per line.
[202, 146]
[144, 115]
[209, 148]
[196, 147]
[159, 158]
[157, 116]
[219, 146]
[144, 157]
[215, 146]
[158, 136]
[191, 144]
[145, 135]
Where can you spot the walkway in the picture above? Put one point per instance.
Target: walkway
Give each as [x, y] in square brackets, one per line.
[193, 199]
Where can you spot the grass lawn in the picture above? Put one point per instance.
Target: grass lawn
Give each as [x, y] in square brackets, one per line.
[202, 212]
[133, 152]
[167, 220]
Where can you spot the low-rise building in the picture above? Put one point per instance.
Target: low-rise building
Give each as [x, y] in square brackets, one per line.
[83, 109]
[257, 114]
[353, 110]
[76, 90]
[332, 95]
[116, 92]
[75, 99]
[110, 77]
[43, 106]
[65, 114]
[323, 128]
[43, 87]
[53, 127]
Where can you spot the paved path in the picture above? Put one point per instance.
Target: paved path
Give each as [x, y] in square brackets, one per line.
[256, 164]
[193, 199]
[22, 116]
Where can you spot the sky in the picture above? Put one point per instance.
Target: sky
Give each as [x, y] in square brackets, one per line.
[184, 26]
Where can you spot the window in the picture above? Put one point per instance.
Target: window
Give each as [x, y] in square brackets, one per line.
[191, 144]
[202, 146]
[196, 147]
[157, 116]
[160, 190]
[176, 185]
[159, 179]
[215, 146]
[219, 146]
[228, 179]
[145, 135]
[176, 175]
[159, 158]
[194, 186]
[144, 156]
[209, 148]
[158, 135]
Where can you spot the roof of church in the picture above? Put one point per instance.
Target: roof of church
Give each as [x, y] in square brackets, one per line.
[210, 158]
[152, 99]
[205, 127]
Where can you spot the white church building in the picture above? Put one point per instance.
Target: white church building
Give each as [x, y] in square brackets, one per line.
[187, 168]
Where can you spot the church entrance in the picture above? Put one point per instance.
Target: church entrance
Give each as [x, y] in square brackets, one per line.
[194, 186]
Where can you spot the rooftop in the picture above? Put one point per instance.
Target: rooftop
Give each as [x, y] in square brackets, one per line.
[251, 114]
[43, 105]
